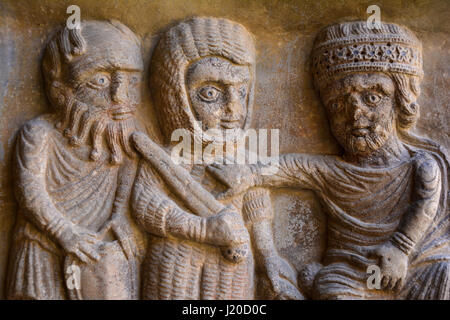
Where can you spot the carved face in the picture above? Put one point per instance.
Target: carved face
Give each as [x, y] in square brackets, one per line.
[218, 92]
[111, 84]
[360, 108]
[106, 86]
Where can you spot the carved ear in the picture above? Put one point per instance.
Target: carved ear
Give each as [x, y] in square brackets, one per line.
[58, 94]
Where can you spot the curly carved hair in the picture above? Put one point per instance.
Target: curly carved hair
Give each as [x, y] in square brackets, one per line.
[407, 93]
[64, 45]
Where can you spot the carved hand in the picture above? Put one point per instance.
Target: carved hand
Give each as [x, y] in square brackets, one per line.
[393, 264]
[282, 279]
[238, 178]
[80, 242]
[226, 229]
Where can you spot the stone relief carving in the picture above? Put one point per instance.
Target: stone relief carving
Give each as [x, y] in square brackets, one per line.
[88, 180]
[202, 78]
[74, 170]
[386, 196]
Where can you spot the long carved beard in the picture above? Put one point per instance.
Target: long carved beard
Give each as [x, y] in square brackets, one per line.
[81, 125]
[371, 142]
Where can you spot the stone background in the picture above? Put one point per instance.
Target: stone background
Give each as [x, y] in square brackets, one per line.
[285, 98]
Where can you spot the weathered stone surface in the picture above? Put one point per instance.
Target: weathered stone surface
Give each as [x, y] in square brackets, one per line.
[74, 168]
[386, 195]
[284, 98]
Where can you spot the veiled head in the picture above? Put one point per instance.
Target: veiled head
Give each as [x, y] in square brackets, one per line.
[218, 92]
[203, 70]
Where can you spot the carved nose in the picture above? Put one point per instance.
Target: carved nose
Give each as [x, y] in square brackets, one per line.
[119, 89]
[357, 113]
[360, 119]
[234, 105]
[361, 123]
[357, 108]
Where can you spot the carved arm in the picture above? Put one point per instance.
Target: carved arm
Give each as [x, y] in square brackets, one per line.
[427, 191]
[30, 165]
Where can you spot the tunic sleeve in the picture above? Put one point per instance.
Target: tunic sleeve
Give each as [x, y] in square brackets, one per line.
[425, 203]
[31, 160]
[296, 170]
[157, 213]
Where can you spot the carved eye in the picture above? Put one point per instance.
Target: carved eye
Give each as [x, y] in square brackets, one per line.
[243, 92]
[134, 80]
[372, 98]
[334, 106]
[99, 80]
[209, 94]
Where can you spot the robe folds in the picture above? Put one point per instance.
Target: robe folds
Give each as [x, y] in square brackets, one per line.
[365, 206]
[176, 268]
[56, 185]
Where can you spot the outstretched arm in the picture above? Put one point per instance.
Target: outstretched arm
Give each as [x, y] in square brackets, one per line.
[258, 215]
[289, 170]
[31, 160]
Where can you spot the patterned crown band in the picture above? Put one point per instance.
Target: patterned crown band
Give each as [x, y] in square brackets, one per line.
[383, 53]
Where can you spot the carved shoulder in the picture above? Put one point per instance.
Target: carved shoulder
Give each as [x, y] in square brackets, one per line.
[427, 169]
[34, 133]
[31, 146]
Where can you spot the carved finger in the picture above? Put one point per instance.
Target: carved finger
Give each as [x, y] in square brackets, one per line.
[385, 282]
[399, 284]
[90, 238]
[391, 284]
[293, 294]
[81, 256]
[288, 273]
[287, 291]
[86, 234]
[90, 252]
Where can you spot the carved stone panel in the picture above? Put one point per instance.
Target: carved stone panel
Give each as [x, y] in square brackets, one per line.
[241, 150]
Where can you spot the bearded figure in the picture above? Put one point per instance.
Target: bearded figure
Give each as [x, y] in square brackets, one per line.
[386, 196]
[202, 80]
[74, 170]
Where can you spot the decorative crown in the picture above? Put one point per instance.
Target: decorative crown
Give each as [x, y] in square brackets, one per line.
[353, 47]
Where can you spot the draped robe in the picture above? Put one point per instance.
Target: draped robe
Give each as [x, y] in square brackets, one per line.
[365, 207]
[176, 268]
[56, 185]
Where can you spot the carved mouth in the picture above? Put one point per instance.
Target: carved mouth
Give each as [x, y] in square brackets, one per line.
[361, 132]
[229, 124]
[122, 113]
